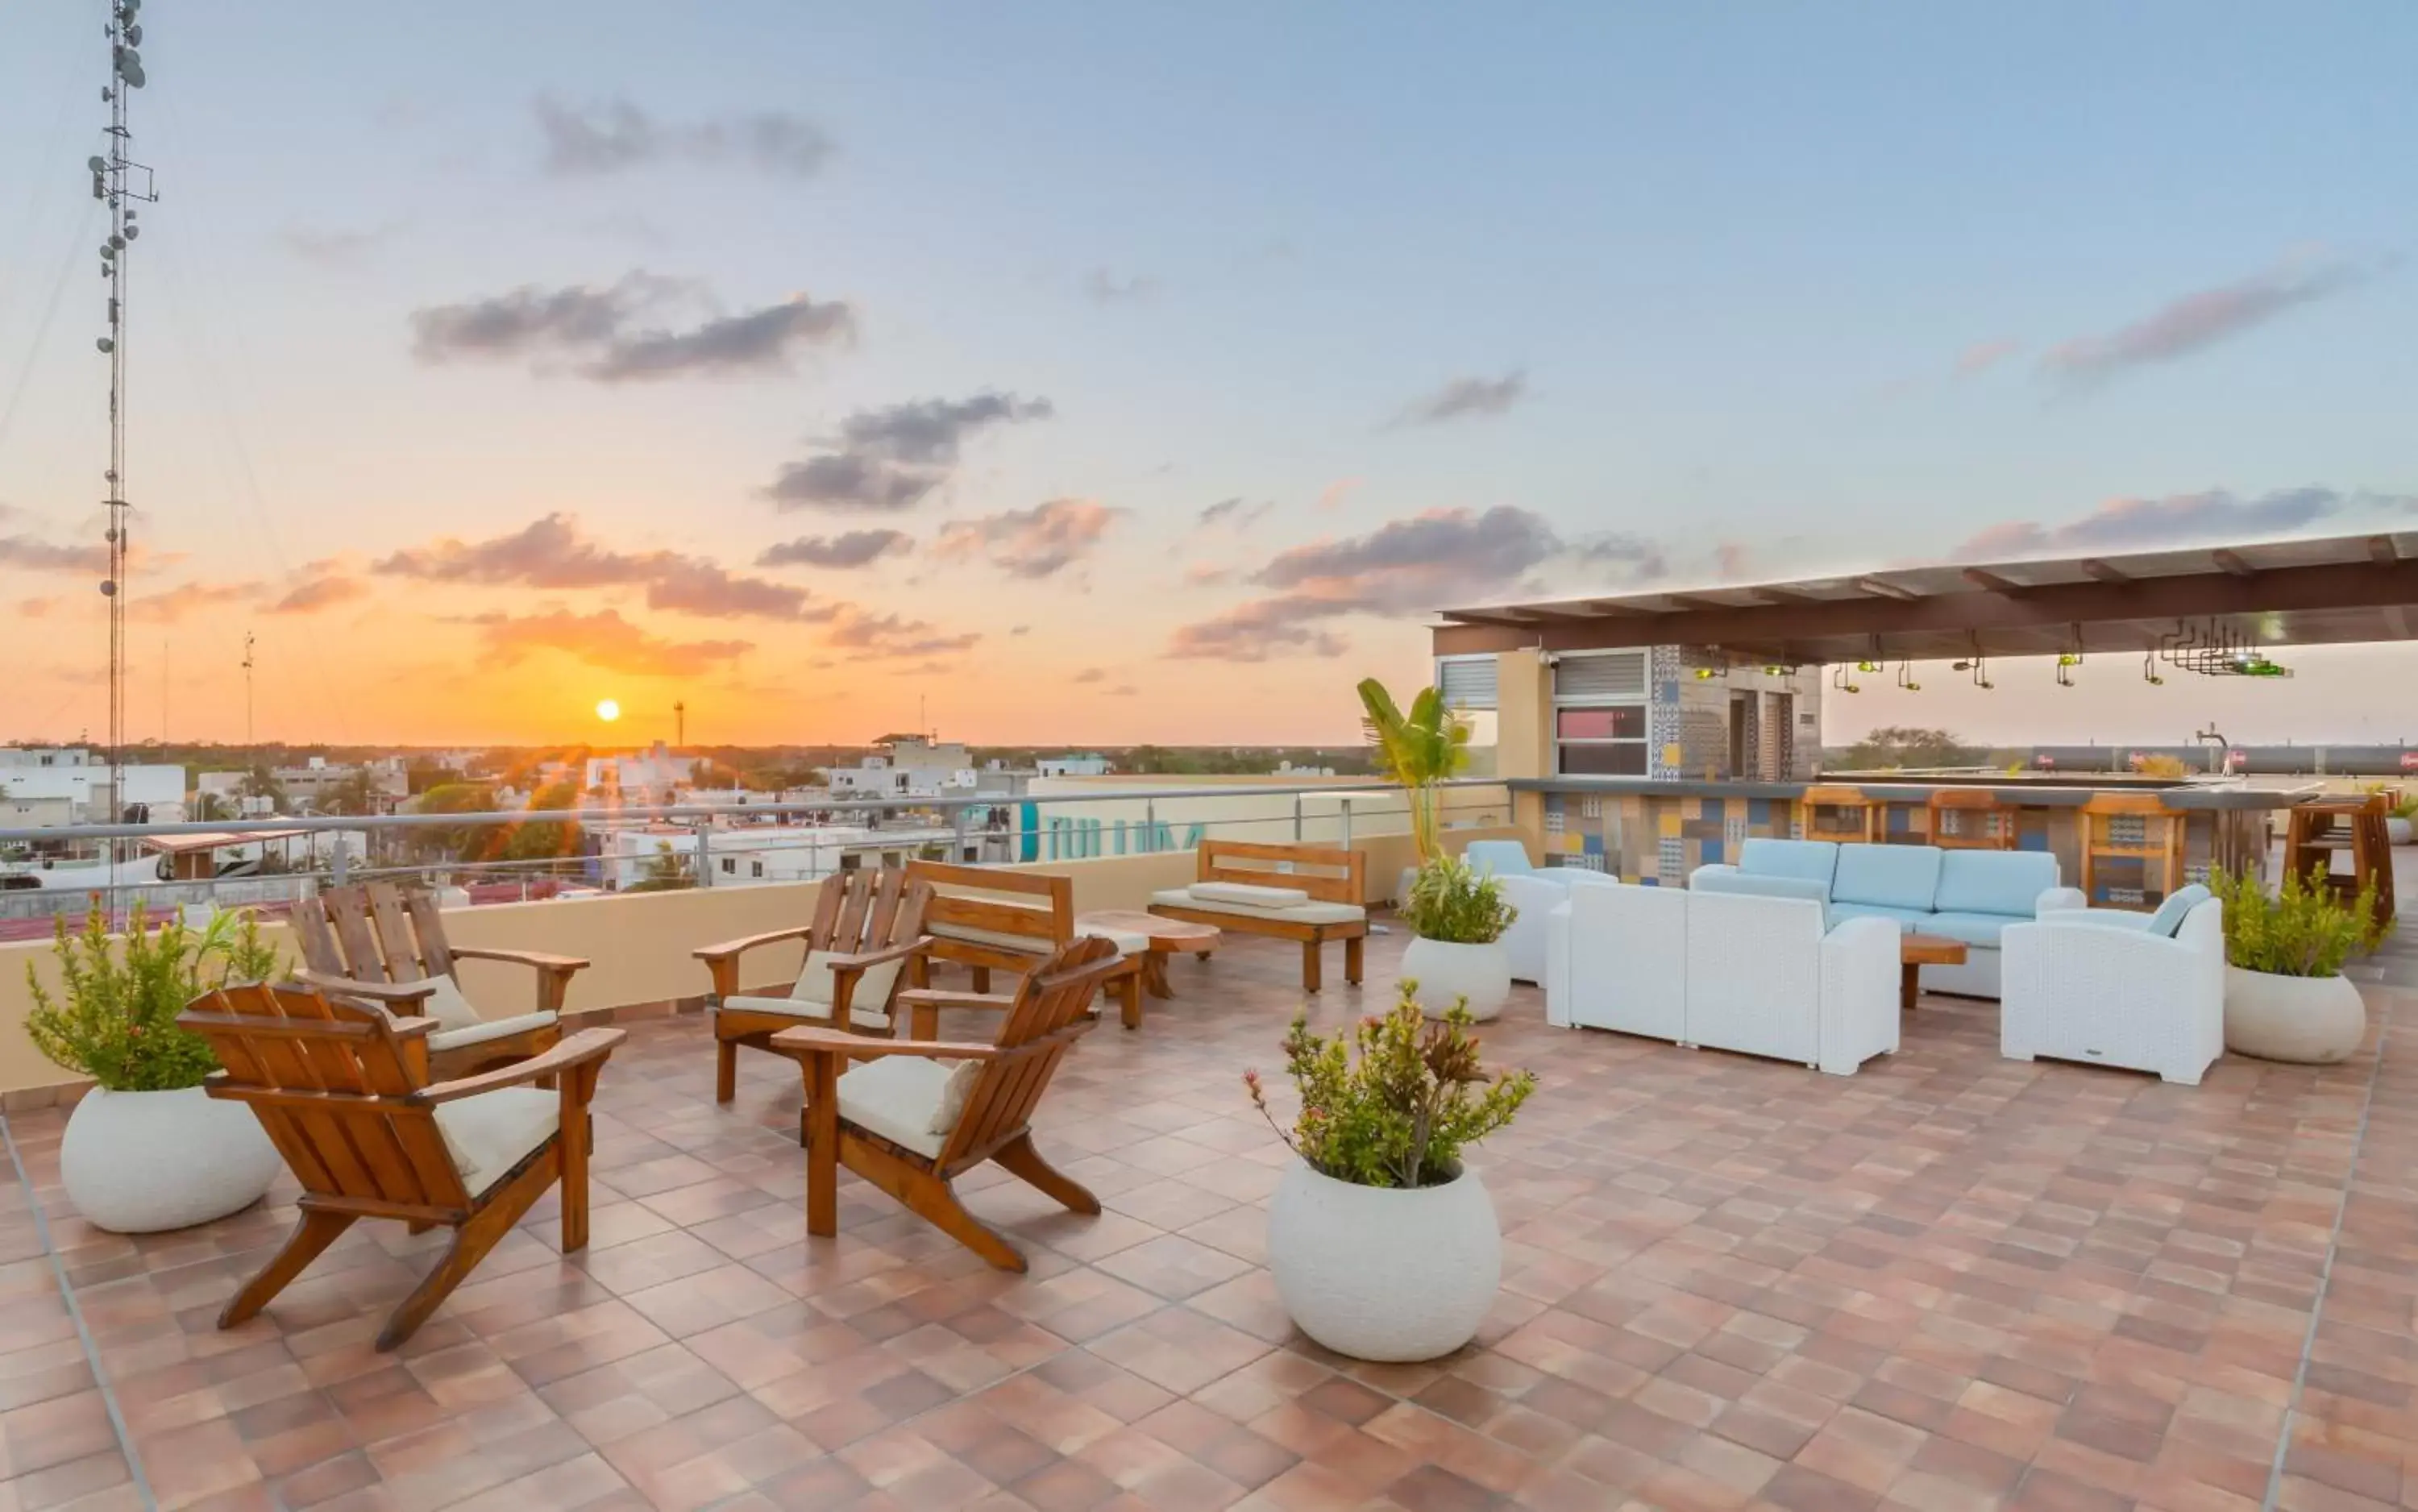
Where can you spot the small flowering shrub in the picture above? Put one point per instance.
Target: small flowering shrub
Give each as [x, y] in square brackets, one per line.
[1399, 1112]
[2303, 930]
[1453, 901]
[117, 1018]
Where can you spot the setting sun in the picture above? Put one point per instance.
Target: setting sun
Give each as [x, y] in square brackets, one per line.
[607, 709]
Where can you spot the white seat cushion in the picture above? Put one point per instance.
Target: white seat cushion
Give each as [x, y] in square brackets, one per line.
[806, 1011]
[490, 1134]
[1306, 913]
[996, 938]
[486, 1029]
[446, 1004]
[815, 984]
[908, 1100]
[1253, 893]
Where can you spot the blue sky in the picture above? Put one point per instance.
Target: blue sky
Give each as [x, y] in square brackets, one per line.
[1750, 290]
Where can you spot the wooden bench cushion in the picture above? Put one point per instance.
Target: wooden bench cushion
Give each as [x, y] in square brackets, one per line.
[1300, 913]
[1250, 894]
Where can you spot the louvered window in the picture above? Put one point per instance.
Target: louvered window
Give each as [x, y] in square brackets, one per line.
[1468, 682]
[1600, 715]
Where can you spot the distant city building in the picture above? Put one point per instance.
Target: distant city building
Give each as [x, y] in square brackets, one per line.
[912, 766]
[1090, 764]
[756, 855]
[32, 774]
[640, 781]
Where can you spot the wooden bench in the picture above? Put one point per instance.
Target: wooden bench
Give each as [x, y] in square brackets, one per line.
[1332, 879]
[988, 919]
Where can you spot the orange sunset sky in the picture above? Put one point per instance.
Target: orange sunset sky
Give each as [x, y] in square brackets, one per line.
[1103, 383]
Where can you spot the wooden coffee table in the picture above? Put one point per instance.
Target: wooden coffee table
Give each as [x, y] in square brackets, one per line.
[1914, 952]
[1166, 936]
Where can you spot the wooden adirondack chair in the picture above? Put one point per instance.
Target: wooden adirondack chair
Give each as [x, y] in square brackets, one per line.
[343, 1092]
[866, 928]
[911, 1123]
[386, 944]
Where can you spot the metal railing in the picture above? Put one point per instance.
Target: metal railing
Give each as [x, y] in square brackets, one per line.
[694, 842]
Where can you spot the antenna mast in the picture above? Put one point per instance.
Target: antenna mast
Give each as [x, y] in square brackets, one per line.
[124, 185]
[248, 754]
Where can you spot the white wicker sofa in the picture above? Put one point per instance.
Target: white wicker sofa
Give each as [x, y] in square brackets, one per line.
[1967, 895]
[1760, 975]
[2145, 991]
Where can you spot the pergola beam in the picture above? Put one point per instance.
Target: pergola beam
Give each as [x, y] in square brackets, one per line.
[1991, 582]
[2381, 551]
[2103, 571]
[1877, 588]
[2232, 563]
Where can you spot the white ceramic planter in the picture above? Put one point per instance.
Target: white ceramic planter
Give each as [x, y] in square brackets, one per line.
[139, 1162]
[2396, 831]
[2308, 1020]
[1446, 972]
[1380, 1273]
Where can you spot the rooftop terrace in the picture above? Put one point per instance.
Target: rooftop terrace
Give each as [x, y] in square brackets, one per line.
[1953, 1281]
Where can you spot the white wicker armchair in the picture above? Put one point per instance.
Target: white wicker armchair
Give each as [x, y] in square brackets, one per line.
[1536, 895]
[2079, 990]
[1764, 978]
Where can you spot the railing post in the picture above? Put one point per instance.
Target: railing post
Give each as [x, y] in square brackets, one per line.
[339, 858]
[704, 854]
[1297, 818]
[1150, 825]
[957, 828]
[1345, 817]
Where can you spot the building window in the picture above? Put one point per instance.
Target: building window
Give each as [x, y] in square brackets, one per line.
[729, 866]
[1467, 681]
[1600, 715]
[754, 868]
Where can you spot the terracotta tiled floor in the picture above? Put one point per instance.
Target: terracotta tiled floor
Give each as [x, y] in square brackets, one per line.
[1952, 1281]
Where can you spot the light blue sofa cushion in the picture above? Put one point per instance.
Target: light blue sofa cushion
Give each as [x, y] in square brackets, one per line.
[1730, 879]
[1890, 877]
[2169, 916]
[1812, 860]
[1498, 858]
[1973, 928]
[1994, 881]
[1909, 921]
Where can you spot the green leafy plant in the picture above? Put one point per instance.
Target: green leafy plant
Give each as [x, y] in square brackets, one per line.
[1420, 748]
[2304, 929]
[115, 1017]
[1400, 1112]
[2406, 809]
[1454, 903]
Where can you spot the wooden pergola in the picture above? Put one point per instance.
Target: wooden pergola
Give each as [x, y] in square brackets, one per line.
[2219, 603]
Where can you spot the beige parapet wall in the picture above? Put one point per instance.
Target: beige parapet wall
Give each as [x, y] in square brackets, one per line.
[639, 943]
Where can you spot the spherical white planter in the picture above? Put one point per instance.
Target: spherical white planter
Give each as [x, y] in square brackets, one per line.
[1383, 1274]
[2398, 831]
[138, 1162]
[2310, 1020]
[1446, 972]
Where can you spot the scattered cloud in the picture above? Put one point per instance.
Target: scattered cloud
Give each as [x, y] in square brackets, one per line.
[2177, 520]
[1235, 512]
[850, 548]
[1331, 498]
[602, 333]
[1090, 674]
[616, 135]
[1035, 542]
[1202, 574]
[603, 640]
[550, 552]
[1732, 561]
[337, 249]
[35, 608]
[890, 459]
[2198, 321]
[173, 605]
[315, 593]
[1464, 398]
[1981, 357]
[1404, 567]
[1019, 630]
[887, 635]
[1123, 689]
[1101, 286]
[38, 556]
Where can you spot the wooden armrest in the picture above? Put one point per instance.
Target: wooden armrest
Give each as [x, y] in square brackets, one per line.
[872, 958]
[808, 1040]
[538, 959]
[939, 998]
[730, 948]
[405, 995]
[587, 1047]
